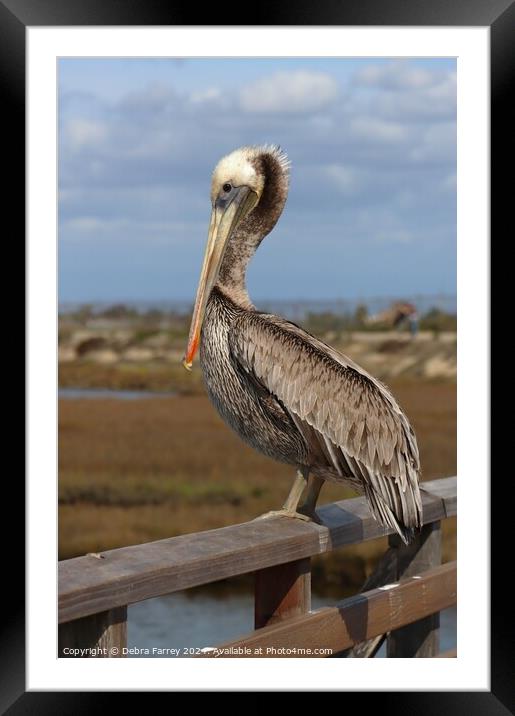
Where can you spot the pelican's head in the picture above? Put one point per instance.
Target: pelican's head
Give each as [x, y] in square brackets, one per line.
[238, 171]
[237, 188]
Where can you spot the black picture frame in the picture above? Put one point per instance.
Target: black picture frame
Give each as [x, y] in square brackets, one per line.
[15, 17]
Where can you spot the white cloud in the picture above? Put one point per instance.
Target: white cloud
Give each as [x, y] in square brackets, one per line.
[343, 178]
[421, 106]
[394, 236]
[155, 97]
[84, 133]
[445, 89]
[299, 91]
[449, 183]
[212, 94]
[121, 228]
[85, 224]
[377, 130]
[411, 93]
[438, 143]
[397, 75]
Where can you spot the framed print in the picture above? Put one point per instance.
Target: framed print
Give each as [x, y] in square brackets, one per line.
[402, 94]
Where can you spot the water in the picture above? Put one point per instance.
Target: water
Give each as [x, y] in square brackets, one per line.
[181, 622]
[95, 393]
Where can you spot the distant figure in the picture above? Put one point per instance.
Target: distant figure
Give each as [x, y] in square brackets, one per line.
[400, 314]
[406, 315]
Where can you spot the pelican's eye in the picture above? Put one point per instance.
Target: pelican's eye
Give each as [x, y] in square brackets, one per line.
[227, 187]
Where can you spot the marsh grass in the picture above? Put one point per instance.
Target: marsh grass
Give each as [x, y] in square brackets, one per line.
[137, 471]
[159, 376]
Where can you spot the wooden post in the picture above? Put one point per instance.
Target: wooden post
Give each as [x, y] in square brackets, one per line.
[420, 639]
[384, 572]
[102, 635]
[282, 592]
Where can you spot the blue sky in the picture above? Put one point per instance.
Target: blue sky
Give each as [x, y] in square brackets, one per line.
[372, 205]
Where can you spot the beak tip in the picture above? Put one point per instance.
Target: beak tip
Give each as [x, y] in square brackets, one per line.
[187, 364]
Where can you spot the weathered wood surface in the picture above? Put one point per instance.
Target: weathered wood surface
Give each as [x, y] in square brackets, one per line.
[385, 572]
[282, 592]
[102, 635]
[422, 639]
[419, 639]
[123, 576]
[354, 620]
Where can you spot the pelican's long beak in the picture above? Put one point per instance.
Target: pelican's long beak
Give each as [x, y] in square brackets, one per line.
[226, 215]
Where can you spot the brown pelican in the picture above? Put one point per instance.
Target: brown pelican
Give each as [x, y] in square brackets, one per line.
[285, 392]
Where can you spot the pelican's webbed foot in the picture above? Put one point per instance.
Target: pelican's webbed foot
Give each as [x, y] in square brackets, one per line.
[306, 512]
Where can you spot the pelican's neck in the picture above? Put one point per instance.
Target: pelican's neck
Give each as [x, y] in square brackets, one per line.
[233, 271]
[249, 234]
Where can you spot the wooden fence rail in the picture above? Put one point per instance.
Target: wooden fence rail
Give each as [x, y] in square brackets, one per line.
[95, 590]
[353, 621]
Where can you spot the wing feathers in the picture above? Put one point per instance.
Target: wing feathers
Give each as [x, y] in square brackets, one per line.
[363, 431]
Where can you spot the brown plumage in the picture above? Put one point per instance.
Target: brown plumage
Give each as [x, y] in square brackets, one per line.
[285, 392]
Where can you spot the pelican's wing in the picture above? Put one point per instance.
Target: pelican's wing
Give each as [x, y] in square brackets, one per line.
[358, 422]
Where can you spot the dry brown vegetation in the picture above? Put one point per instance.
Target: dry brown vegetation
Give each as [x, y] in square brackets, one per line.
[135, 471]
[154, 376]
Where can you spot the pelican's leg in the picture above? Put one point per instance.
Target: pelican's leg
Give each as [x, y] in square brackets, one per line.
[313, 491]
[289, 508]
[299, 484]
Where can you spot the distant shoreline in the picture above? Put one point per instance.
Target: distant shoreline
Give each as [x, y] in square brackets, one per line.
[289, 307]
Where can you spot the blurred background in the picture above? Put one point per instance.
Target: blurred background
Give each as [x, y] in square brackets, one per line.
[364, 257]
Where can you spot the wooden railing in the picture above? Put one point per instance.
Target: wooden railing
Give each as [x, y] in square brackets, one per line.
[400, 602]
